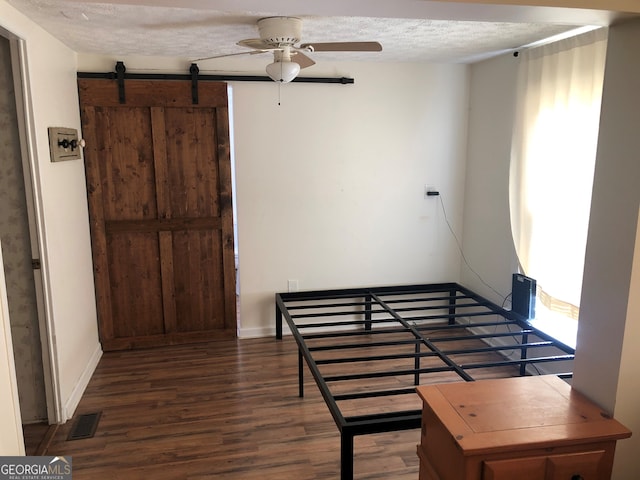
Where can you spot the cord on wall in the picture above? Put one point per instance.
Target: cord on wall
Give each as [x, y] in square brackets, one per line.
[464, 258]
[504, 299]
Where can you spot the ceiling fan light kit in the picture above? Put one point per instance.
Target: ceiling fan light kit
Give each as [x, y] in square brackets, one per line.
[283, 71]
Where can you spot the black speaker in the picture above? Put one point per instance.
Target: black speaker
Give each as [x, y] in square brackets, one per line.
[523, 296]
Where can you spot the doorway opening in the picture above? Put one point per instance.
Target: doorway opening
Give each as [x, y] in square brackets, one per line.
[20, 244]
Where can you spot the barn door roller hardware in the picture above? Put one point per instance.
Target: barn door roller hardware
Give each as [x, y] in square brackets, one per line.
[120, 75]
[120, 71]
[194, 70]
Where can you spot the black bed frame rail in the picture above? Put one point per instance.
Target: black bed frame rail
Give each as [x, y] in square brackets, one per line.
[444, 302]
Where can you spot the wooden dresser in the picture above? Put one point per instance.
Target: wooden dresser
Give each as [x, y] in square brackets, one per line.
[522, 428]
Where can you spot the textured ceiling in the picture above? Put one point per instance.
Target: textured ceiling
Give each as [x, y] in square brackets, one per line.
[123, 29]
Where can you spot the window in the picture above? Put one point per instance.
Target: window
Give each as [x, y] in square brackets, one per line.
[552, 163]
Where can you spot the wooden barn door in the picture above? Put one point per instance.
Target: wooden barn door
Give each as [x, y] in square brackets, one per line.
[160, 203]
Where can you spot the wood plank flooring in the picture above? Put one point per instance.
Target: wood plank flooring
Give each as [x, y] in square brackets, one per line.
[34, 436]
[226, 410]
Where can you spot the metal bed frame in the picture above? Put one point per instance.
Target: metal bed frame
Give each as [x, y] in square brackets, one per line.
[354, 330]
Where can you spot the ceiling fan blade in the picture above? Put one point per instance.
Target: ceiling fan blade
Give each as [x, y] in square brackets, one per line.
[196, 20]
[256, 43]
[344, 46]
[301, 59]
[253, 52]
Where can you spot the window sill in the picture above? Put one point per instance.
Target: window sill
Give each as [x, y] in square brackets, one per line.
[561, 328]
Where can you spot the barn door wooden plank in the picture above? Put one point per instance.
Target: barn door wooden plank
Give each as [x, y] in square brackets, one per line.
[152, 93]
[129, 197]
[135, 284]
[226, 214]
[167, 224]
[168, 283]
[195, 193]
[165, 237]
[97, 223]
[160, 162]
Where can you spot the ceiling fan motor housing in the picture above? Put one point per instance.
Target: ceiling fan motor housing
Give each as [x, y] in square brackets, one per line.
[278, 31]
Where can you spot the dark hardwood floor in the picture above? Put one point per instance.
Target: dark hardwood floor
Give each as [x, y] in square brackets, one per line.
[35, 435]
[226, 410]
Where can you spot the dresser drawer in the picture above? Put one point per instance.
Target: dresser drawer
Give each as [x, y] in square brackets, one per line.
[578, 466]
[569, 466]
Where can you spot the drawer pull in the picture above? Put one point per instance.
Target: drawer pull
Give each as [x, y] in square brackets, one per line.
[577, 477]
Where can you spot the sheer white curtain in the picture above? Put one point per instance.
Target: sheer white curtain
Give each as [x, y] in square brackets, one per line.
[552, 162]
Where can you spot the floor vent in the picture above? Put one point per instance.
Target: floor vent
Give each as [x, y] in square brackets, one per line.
[84, 426]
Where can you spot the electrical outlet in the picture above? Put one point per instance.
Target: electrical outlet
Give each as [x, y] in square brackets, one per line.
[430, 191]
[292, 285]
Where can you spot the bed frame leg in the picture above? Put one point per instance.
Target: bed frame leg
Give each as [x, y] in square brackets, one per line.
[346, 456]
[367, 313]
[452, 306]
[416, 365]
[523, 355]
[300, 375]
[278, 323]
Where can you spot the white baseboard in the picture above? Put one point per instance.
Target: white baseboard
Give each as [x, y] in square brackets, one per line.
[74, 399]
[262, 332]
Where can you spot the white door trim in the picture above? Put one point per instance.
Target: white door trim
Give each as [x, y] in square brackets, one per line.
[12, 442]
[26, 130]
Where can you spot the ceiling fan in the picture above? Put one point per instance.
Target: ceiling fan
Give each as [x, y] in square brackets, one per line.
[280, 35]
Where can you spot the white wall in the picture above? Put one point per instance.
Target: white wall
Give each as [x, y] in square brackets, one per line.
[330, 184]
[488, 244]
[629, 379]
[62, 205]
